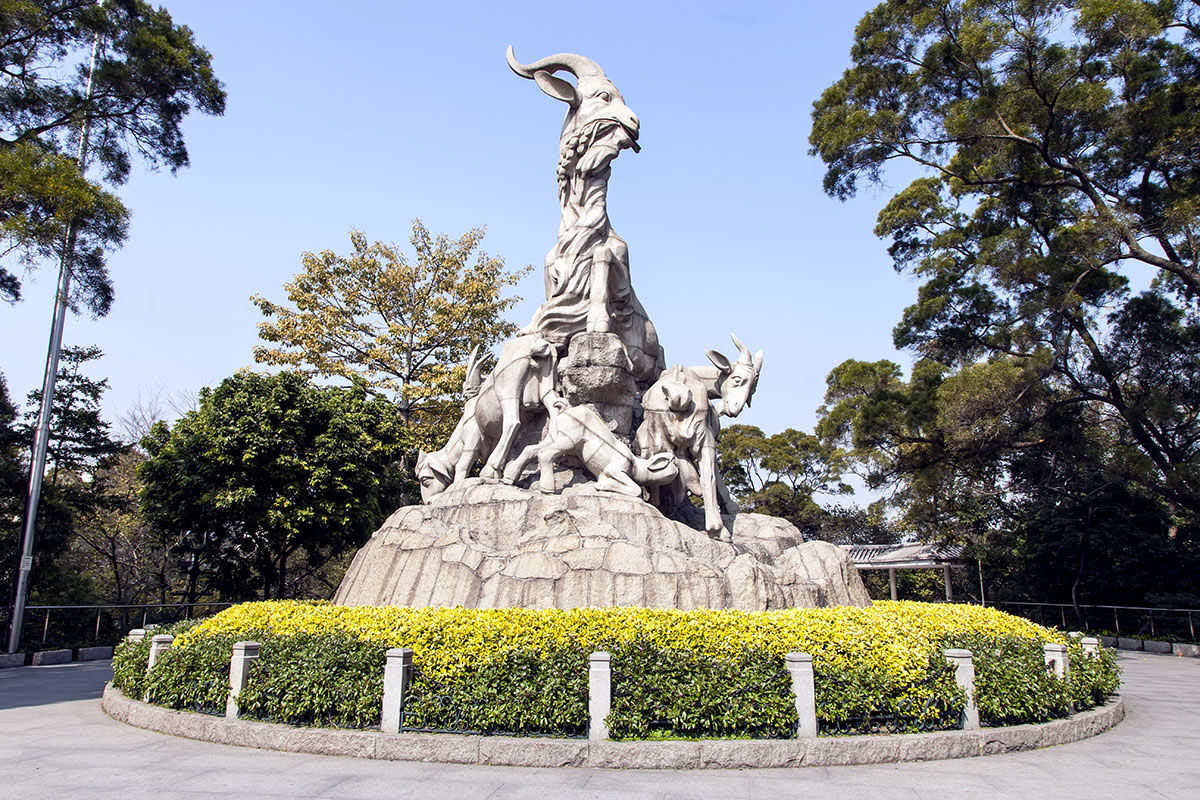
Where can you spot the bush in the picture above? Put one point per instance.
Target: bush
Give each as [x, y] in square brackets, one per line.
[521, 691]
[1013, 684]
[1094, 677]
[676, 674]
[678, 693]
[330, 679]
[130, 658]
[193, 678]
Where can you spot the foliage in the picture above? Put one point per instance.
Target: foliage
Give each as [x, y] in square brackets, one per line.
[270, 479]
[80, 440]
[1057, 143]
[194, 678]
[1050, 515]
[849, 524]
[704, 673]
[130, 659]
[660, 691]
[779, 474]
[79, 446]
[404, 329]
[13, 477]
[1094, 677]
[328, 679]
[1007, 696]
[149, 74]
[121, 553]
[517, 691]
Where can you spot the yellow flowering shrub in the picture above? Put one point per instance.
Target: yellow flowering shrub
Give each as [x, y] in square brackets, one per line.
[882, 658]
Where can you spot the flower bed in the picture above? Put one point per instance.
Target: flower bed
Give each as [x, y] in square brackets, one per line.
[675, 673]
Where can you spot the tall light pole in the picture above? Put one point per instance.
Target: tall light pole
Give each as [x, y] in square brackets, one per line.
[42, 436]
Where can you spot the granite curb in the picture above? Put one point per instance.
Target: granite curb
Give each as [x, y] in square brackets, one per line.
[538, 752]
[45, 658]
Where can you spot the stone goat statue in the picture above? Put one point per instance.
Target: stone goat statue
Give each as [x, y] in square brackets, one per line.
[521, 384]
[588, 286]
[679, 418]
[580, 431]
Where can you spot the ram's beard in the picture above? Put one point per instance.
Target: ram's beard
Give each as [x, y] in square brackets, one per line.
[604, 141]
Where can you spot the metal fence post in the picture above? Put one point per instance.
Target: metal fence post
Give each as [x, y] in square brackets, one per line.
[397, 675]
[239, 672]
[964, 676]
[804, 693]
[599, 694]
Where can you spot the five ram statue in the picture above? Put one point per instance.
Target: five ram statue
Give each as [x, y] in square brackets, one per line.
[668, 452]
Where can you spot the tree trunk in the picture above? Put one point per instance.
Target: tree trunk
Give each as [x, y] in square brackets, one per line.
[1079, 570]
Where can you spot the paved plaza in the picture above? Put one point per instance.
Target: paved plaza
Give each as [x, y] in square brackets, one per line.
[56, 742]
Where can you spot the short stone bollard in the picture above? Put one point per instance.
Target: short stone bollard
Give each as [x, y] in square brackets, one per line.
[1091, 646]
[136, 635]
[158, 644]
[804, 693]
[599, 694]
[1056, 659]
[244, 653]
[964, 676]
[397, 676]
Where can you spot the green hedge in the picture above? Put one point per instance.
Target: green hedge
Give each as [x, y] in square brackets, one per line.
[664, 693]
[325, 674]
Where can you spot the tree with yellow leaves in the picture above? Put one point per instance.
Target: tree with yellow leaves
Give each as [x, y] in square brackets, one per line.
[403, 327]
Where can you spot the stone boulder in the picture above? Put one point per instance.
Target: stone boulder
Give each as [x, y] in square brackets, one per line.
[489, 545]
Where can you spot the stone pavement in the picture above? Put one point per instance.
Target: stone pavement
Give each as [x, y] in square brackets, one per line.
[56, 742]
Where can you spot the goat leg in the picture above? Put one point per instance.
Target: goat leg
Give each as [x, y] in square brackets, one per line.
[597, 318]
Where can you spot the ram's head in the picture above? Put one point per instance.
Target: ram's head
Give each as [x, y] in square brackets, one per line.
[598, 124]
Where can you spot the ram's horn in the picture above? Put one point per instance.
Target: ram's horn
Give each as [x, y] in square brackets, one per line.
[579, 66]
[743, 351]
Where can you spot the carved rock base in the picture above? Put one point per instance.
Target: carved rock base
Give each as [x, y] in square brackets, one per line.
[596, 371]
[488, 545]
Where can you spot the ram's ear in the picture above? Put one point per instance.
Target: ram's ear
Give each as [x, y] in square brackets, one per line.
[721, 362]
[556, 88]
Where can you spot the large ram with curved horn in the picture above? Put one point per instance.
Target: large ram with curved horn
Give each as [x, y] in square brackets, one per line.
[588, 286]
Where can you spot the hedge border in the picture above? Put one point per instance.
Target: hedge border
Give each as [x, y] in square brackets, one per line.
[540, 752]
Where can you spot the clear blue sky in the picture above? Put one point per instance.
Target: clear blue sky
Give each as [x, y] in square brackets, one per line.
[368, 114]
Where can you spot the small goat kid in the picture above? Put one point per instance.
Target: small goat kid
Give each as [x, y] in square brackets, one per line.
[580, 431]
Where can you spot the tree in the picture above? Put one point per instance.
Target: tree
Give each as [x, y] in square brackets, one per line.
[402, 328]
[114, 545]
[149, 74]
[79, 447]
[269, 480]
[13, 478]
[779, 474]
[1050, 517]
[80, 440]
[939, 464]
[1059, 142]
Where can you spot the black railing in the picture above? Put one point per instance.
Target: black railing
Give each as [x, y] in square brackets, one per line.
[1139, 622]
[73, 626]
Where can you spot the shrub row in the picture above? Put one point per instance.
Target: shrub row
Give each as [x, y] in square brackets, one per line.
[675, 673]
